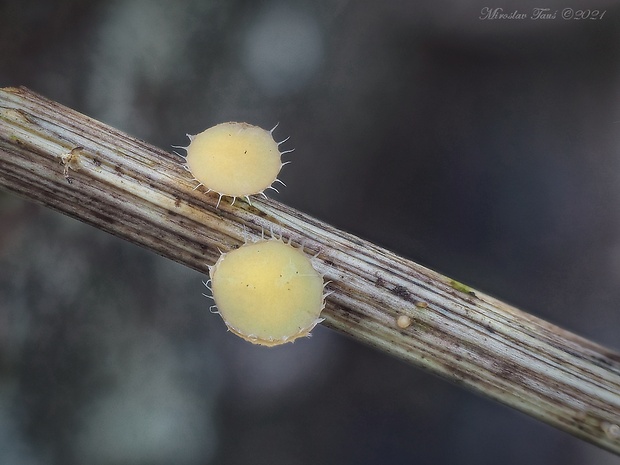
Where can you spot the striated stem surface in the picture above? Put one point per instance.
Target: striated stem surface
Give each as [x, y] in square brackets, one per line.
[97, 174]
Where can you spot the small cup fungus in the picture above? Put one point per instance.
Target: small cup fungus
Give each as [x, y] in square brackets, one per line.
[267, 292]
[403, 321]
[235, 159]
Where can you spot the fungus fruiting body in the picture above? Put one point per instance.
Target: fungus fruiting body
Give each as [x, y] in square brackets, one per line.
[235, 159]
[267, 292]
[403, 321]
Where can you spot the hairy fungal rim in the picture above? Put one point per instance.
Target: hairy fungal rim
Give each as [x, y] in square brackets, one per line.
[235, 160]
[267, 292]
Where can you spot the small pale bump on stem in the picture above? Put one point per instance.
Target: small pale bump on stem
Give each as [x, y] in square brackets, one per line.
[612, 430]
[403, 321]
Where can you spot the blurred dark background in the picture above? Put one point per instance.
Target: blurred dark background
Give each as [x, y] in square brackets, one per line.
[485, 149]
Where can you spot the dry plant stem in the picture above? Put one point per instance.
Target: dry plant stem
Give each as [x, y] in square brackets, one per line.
[95, 173]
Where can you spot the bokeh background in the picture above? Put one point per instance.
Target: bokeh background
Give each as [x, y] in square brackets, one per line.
[487, 150]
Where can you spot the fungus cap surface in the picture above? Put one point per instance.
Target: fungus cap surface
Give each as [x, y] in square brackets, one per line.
[234, 159]
[267, 292]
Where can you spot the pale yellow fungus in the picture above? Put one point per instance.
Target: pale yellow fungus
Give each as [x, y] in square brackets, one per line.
[267, 292]
[235, 159]
[403, 321]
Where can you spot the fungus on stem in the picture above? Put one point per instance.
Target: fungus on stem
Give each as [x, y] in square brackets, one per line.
[143, 194]
[235, 160]
[267, 292]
